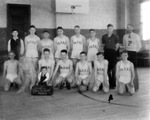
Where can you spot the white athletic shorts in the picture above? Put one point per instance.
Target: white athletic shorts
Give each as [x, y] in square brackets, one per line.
[101, 78]
[83, 76]
[76, 54]
[11, 77]
[125, 79]
[31, 53]
[63, 75]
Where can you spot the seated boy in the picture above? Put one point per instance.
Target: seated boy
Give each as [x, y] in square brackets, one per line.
[83, 70]
[43, 77]
[125, 74]
[101, 76]
[10, 72]
[66, 67]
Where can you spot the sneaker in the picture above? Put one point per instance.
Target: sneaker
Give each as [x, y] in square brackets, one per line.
[61, 85]
[68, 85]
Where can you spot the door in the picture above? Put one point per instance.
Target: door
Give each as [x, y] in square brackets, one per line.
[18, 17]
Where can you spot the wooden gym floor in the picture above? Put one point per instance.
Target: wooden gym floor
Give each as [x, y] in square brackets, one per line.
[70, 105]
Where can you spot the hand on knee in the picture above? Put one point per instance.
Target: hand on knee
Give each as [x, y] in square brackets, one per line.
[95, 89]
[105, 90]
[85, 82]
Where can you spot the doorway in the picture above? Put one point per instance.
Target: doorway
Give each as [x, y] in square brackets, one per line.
[18, 17]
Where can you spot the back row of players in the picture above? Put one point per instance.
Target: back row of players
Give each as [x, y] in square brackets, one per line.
[60, 49]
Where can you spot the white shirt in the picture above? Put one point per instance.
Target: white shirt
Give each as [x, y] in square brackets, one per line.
[132, 42]
[40, 74]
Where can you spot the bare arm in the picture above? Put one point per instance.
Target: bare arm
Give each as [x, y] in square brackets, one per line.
[71, 44]
[84, 43]
[39, 66]
[105, 70]
[76, 71]
[68, 45]
[132, 73]
[9, 47]
[55, 45]
[52, 70]
[56, 69]
[95, 70]
[71, 68]
[90, 70]
[117, 73]
[5, 69]
[22, 47]
[138, 44]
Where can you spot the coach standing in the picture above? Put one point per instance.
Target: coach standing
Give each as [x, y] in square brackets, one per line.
[132, 43]
[111, 43]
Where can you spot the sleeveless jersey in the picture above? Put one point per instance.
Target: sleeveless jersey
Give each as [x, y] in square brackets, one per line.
[77, 42]
[65, 66]
[83, 68]
[125, 69]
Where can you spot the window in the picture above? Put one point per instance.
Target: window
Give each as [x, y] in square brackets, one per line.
[145, 20]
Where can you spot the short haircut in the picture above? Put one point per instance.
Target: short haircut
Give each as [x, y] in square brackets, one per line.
[83, 53]
[64, 51]
[92, 30]
[32, 26]
[100, 53]
[14, 30]
[109, 25]
[43, 67]
[77, 26]
[46, 50]
[124, 51]
[45, 31]
[60, 28]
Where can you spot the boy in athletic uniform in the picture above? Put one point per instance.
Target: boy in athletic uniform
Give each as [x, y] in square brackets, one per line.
[32, 43]
[101, 76]
[47, 43]
[125, 74]
[66, 67]
[47, 62]
[93, 45]
[60, 42]
[10, 73]
[83, 70]
[78, 44]
[16, 44]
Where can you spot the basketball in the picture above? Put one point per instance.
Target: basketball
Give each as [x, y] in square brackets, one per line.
[82, 88]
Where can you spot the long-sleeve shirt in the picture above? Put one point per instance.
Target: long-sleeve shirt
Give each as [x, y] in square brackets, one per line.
[132, 42]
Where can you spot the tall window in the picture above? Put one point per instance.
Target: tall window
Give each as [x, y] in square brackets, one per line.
[145, 20]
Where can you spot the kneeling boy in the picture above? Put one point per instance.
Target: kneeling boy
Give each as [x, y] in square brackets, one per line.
[83, 70]
[101, 76]
[10, 72]
[125, 74]
[66, 67]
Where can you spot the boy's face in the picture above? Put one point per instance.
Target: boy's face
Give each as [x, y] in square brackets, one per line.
[92, 33]
[46, 35]
[44, 70]
[77, 30]
[11, 55]
[100, 57]
[15, 34]
[83, 57]
[110, 29]
[32, 30]
[60, 32]
[46, 54]
[124, 56]
[63, 55]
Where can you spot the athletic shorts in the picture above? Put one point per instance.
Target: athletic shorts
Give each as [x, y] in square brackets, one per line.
[83, 76]
[76, 54]
[63, 75]
[101, 78]
[125, 79]
[31, 53]
[11, 77]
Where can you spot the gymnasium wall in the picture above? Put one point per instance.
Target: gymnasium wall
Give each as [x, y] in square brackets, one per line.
[102, 12]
